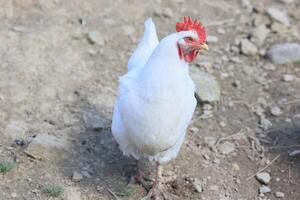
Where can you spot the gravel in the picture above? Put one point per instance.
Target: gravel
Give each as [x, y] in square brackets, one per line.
[263, 177]
[248, 48]
[226, 148]
[264, 189]
[287, 77]
[77, 177]
[259, 34]
[279, 16]
[212, 39]
[94, 37]
[279, 195]
[284, 53]
[275, 110]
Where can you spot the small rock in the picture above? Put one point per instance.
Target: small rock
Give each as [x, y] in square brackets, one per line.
[207, 87]
[94, 37]
[14, 195]
[226, 148]
[128, 30]
[259, 34]
[279, 195]
[212, 39]
[47, 147]
[77, 177]
[284, 53]
[279, 16]
[214, 188]
[245, 3]
[287, 77]
[264, 189]
[167, 12]
[248, 48]
[287, 1]
[276, 111]
[222, 124]
[263, 177]
[194, 129]
[235, 167]
[221, 30]
[278, 28]
[73, 193]
[210, 141]
[198, 185]
[16, 130]
[95, 120]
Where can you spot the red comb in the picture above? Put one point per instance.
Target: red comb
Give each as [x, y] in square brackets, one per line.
[188, 24]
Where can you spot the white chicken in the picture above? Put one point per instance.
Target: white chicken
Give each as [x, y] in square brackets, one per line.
[156, 96]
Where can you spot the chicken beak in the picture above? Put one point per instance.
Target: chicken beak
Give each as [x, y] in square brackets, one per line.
[200, 46]
[203, 46]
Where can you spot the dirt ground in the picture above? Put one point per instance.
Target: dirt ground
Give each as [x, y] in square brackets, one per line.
[56, 84]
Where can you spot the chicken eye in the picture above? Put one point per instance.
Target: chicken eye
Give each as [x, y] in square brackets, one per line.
[190, 39]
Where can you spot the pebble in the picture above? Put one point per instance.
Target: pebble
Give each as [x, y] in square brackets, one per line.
[284, 53]
[279, 195]
[77, 177]
[279, 16]
[212, 39]
[276, 111]
[226, 148]
[167, 12]
[94, 37]
[194, 129]
[73, 193]
[210, 141]
[264, 189]
[198, 185]
[259, 34]
[263, 177]
[14, 195]
[207, 87]
[221, 31]
[214, 188]
[278, 28]
[287, 77]
[47, 147]
[287, 1]
[248, 48]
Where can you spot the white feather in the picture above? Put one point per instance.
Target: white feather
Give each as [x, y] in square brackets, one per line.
[145, 48]
[155, 104]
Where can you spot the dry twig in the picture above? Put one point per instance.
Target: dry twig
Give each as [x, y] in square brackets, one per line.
[268, 165]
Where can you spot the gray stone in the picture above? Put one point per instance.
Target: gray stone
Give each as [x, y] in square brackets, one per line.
[248, 48]
[259, 34]
[275, 110]
[226, 148]
[16, 129]
[94, 37]
[279, 16]
[212, 39]
[207, 87]
[47, 147]
[210, 141]
[287, 77]
[279, 195]
[94, 120]
[198, 185]
[284, 53]
[263, 177]
[264, 189]
[287, 1]
[73, 193]
[77, 177]
[279, 28]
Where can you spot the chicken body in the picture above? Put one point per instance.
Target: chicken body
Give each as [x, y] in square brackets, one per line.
[156, 99]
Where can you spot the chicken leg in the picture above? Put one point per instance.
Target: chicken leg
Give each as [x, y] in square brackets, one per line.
[155, 190]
